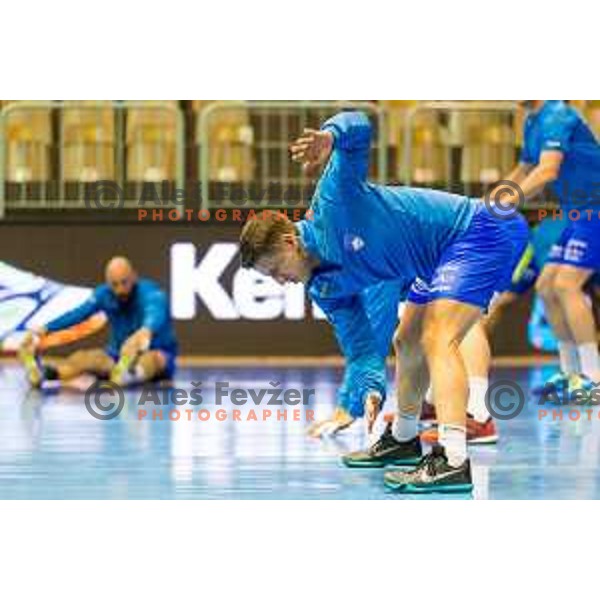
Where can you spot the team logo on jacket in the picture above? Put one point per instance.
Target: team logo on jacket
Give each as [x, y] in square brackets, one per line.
[354, 243]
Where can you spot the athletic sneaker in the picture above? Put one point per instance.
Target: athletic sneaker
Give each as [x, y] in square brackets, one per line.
[32, 364]
[577, 384]
[580, 383]
[477, 432]
[557, 383]
[433, 474]
[387, 450]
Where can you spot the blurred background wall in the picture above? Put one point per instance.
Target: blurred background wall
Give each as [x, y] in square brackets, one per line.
[58, 221]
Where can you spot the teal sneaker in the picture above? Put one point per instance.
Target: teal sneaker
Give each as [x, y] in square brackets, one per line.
[387, 450]
[580, 383]
[556, 384]
[433, 474]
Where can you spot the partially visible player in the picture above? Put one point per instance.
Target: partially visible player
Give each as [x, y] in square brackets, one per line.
[559, 149]
[142, 344]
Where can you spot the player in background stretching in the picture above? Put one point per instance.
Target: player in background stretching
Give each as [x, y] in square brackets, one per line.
[142, 344]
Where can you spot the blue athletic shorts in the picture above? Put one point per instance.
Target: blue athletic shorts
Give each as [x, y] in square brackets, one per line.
[478, 264]
[579, 245]
[170, 366]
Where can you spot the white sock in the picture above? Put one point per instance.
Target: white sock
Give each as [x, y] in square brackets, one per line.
[137, 376]
[378, 429]
[405, 427]
[454, 440]
[429, 396]
[569, 359]
[476, 407]
[589, 360]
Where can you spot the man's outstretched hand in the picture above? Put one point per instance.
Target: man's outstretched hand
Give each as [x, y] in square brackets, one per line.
[339, 421]
[312, 149]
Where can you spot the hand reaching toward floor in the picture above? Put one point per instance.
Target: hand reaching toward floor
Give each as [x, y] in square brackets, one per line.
[339, 421]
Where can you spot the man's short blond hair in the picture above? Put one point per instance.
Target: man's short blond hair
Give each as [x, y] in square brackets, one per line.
[261, 234]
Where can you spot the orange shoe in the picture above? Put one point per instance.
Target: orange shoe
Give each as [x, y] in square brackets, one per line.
[477, 433]
[481, 433]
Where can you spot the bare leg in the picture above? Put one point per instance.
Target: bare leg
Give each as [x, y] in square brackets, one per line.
[579, 316]
[476, 353]
[554, 310]
[477, 356]
[560, 296]
[491, 319]
[445, 326]
[412, 376]
[568, 286]
[94, 361]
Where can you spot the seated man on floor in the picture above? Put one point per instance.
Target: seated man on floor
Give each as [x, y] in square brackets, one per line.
[142, 344]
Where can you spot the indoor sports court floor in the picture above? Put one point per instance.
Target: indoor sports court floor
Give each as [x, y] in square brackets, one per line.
[51, 448]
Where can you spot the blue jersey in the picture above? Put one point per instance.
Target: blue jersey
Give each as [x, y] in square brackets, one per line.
[147, 307]
[559, 127]
[365, 234]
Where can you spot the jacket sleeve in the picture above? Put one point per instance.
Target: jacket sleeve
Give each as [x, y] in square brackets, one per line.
[77, 315]
[381, 302]
[365, 364]
[349, 162]
[156, 310]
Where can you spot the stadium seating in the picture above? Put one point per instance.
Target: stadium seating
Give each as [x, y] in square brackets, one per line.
[88, 134]
[28, 135]
[151, 141]
[230, 142]
[487, 142]
[430, 160]
[49, 144]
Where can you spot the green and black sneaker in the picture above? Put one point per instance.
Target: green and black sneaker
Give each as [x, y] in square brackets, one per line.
[387, 450]
[433, 474]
